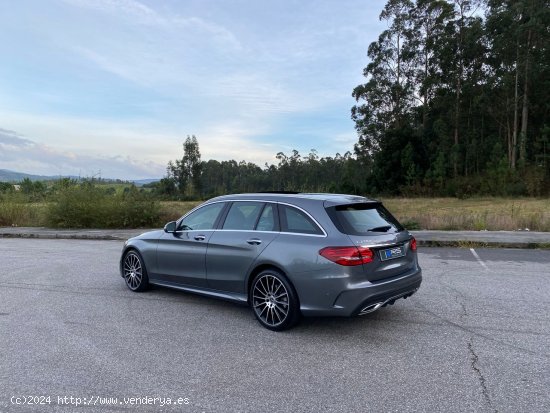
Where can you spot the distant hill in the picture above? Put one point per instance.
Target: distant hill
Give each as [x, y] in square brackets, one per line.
[13, 176]
[140, 182]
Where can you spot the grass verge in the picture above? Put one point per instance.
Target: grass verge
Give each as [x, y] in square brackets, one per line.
[15, 210]
[134, 211]
[475, 214]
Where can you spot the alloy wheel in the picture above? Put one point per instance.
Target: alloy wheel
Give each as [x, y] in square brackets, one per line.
[271, 300]
[133, 271]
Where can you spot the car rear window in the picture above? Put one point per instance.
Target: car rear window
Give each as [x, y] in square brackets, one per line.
[363, 219]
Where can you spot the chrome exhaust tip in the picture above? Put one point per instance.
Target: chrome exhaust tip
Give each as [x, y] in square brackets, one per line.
[371, 308]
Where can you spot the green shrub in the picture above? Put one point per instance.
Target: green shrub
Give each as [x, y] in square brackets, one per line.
[534, 180]
[89, 206]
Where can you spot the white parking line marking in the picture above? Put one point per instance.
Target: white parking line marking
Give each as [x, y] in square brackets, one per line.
[479, 259]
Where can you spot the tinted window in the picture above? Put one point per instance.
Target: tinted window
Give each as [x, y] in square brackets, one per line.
[243, 215]
[362, 219]
[268, 219]
[202, 218]
[294, 220]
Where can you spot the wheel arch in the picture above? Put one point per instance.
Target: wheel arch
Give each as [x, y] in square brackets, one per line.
[128, 248]
[262, 267]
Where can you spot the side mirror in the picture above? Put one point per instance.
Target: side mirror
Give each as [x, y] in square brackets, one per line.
[170, 227]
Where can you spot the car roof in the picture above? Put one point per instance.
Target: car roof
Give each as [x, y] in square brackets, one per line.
[298, 198]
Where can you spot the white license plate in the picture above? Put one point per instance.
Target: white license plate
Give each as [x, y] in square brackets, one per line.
[391, 253]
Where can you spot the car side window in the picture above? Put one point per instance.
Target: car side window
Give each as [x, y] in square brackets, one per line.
[203, 218]
[268, 219]
[243, 215]
[296, 221]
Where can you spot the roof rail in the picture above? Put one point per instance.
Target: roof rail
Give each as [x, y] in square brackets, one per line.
[278, 192]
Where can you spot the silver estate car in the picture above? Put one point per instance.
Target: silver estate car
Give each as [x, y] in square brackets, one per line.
[285, 255]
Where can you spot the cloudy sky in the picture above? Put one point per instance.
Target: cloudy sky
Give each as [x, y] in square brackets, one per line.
[116, 85]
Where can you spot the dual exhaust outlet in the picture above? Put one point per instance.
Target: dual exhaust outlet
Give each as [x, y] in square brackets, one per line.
[371, 308]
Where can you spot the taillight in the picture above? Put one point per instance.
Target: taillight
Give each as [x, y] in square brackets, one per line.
[348, 256]
[413, 244]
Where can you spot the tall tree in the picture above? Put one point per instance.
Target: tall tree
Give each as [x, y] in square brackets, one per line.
[187, 171]
[464, 10]
[519, 35]
[429, 19]
[386, 96]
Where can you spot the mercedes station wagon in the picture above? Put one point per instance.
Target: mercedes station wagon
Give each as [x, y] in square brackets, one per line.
[285, 255]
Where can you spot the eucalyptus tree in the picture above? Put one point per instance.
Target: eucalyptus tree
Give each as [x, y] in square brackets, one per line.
[429, 20]
[186, 172]
[383, 102]
[520, 36]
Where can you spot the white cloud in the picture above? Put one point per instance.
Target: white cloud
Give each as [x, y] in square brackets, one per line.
[130, 150]
[129, 9]
[26, 155]
[234, 141]
[12, 140]
[191, 56]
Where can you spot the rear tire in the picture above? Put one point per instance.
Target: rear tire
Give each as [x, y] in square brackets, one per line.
[134, 272]
[274, 301]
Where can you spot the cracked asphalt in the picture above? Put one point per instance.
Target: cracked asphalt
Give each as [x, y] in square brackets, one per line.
[476, 337]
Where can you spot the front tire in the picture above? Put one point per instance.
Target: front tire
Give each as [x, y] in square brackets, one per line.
[274, 301]
[134, 271]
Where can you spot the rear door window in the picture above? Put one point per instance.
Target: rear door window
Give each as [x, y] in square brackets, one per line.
[363, 219]
[243, 215]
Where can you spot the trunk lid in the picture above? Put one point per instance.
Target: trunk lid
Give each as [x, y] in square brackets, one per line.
[392, 255]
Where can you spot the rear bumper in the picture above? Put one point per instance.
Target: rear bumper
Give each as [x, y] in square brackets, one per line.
[360, 298]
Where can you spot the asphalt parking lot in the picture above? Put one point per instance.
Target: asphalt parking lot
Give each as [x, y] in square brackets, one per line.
[476, 337]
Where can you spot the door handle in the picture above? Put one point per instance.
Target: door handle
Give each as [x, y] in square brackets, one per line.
[200, 237]
[254, 241]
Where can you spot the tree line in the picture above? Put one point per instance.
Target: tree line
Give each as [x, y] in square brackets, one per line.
[191, 178]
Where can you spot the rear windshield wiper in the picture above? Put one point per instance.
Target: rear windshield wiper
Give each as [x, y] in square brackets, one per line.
[383, 228]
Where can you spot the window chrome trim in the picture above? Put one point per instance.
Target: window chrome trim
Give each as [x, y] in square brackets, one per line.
[324, 235]
[270, 232]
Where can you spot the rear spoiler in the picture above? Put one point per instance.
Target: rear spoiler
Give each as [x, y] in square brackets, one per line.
[351, 200]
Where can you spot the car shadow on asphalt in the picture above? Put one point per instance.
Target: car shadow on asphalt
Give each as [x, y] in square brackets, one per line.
[387, 318]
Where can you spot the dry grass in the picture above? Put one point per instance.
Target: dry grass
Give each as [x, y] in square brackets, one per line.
[415, 213]
[472, 214]
[15, 211]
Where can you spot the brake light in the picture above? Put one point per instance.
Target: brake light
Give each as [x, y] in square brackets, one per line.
[348, 256]
[413, 244]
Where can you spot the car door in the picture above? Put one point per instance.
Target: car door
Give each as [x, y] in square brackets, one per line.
[181, 256]
[249, 227]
